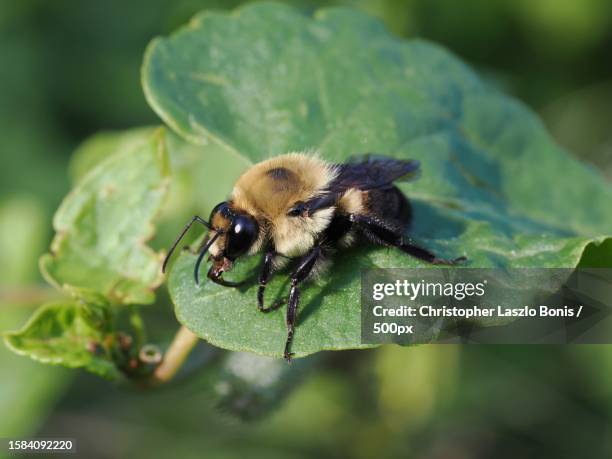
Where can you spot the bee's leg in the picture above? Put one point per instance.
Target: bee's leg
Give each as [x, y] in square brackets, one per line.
[264, 276]
[306, 209]
[380, 232]
[304, 268]
[217, 279]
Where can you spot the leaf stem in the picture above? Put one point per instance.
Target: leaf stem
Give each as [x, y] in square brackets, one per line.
[182, 344]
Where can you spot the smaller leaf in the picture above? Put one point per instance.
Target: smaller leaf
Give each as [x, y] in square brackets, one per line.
[103, 224]
[97, 148]
[69, 333]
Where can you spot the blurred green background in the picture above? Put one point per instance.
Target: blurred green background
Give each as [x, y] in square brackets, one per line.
[71, 68]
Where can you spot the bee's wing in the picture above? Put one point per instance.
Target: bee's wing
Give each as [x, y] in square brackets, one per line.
[368, 172]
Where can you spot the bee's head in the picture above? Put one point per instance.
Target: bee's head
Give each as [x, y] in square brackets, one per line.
[238, 232]
[233, 233]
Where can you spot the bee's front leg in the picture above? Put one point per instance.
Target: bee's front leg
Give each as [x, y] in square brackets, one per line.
[264, 277]
[304, 268]
[215, 276]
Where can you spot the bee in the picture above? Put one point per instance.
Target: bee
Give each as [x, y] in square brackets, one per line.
[298, 207]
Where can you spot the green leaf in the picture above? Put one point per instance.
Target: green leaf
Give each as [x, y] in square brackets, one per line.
[100, 146]
[69, 333]
[103, 225]
[29, 390]
[267, 80]
[191, 166]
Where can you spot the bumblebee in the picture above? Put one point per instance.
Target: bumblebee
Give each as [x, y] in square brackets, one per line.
[298, 207]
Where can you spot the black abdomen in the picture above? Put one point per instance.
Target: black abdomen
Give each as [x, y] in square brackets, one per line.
[390, 205]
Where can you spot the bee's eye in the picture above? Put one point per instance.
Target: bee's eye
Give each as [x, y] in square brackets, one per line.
[241, 236]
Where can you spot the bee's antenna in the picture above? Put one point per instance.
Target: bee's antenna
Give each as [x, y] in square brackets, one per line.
[178, 239]
[196, 270]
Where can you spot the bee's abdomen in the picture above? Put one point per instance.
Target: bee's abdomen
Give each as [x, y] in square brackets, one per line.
[391, 205]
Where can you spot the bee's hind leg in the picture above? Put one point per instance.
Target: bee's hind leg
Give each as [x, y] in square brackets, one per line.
[380, 232]
[307, 262]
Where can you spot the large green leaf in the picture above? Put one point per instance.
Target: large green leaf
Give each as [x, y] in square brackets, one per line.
[104, 223]
[266, 80]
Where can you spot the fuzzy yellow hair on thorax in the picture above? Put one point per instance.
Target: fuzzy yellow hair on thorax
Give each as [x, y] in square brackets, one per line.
[268, 189]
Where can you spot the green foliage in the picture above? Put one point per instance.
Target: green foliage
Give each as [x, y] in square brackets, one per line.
[71, 334]
[65, 76]
[104, 223]
[99, 256]
[266, 80]
[96, 149]
[241, 87]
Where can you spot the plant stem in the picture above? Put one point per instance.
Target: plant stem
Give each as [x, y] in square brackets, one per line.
[182, 344]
